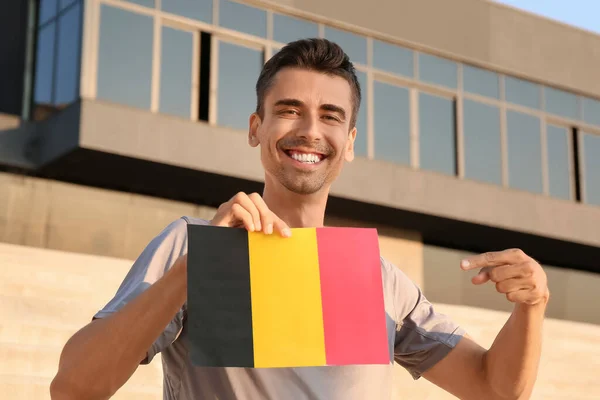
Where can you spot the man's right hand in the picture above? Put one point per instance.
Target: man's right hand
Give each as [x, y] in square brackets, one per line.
[250, 212]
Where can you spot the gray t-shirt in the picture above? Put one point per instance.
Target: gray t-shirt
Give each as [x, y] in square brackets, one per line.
[418, 337]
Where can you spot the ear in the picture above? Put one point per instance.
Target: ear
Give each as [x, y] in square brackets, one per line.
[349, 156]
[255, 123]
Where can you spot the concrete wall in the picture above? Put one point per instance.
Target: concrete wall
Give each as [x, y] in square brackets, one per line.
[60, 216]
[164, 139]
[56, 215]
[477, 31]
[47, 295]
[573, 294]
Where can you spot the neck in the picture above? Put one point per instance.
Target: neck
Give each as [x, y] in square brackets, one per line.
[297, 210]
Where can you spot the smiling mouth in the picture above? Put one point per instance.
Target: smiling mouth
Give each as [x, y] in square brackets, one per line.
[305, 157]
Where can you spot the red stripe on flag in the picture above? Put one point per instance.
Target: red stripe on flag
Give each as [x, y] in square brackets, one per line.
[352, 294]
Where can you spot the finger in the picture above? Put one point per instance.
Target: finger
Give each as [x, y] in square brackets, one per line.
[493, 259]
[482, 277]
[266, 215]
[521, 296]
[245, 201]
[281, 227]
[504, 272]
[514, 285]
[239, 213]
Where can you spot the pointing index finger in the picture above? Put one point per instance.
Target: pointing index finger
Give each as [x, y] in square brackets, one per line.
[493, 259]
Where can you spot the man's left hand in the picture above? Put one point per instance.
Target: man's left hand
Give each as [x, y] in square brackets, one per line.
[515, 274]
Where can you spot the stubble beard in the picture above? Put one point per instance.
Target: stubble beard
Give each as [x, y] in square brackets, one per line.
[303, 183]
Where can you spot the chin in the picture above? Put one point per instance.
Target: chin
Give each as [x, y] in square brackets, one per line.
[302, 187]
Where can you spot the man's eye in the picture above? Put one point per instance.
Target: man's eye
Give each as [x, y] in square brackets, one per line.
[293, 112]
[331, 118]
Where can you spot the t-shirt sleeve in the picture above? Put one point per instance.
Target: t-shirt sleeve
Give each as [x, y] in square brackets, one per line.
[154, 261]
[423, 336]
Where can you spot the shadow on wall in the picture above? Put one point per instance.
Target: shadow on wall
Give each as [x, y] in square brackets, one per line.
[15, 137]
[29, 145]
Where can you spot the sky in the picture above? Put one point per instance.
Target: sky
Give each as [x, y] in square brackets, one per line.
[583, 14]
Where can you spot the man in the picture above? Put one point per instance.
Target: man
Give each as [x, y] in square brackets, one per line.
[308, 100]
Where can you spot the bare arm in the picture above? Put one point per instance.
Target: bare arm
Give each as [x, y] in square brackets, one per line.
[512, 361]
[102, 356]
[508, 370]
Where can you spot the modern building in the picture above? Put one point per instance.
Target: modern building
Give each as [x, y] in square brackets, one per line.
[479, 130]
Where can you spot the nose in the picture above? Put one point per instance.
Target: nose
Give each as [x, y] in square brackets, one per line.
[309, 128]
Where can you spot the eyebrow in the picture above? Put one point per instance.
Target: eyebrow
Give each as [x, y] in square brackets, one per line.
[297, 103]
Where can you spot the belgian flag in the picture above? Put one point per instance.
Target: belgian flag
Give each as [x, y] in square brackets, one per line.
[263, 301]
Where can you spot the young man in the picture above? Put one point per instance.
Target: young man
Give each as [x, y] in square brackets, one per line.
[308, 99]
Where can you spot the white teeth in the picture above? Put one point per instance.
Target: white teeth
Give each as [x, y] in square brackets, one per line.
[306, 158]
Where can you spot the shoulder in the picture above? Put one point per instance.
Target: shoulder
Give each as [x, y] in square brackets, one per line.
[400, 289]
[179, 227]
[394, 274]
[174, 236]
[194, 221]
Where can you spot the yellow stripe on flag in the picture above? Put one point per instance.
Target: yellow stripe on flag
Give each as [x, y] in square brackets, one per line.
[287, 316]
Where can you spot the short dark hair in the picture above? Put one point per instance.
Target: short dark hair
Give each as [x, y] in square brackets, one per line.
[319, 55]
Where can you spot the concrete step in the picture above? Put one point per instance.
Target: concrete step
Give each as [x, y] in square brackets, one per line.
[47, 273]
[24, 387]
[16, 387]
[47, 310]
[40, 334]
[40, 363]
[55, 284]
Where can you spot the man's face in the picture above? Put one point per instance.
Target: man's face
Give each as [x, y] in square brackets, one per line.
[304, 135]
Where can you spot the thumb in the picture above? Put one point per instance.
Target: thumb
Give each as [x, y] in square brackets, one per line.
[482, 277]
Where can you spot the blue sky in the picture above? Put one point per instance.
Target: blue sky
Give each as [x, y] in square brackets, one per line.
[584, 14]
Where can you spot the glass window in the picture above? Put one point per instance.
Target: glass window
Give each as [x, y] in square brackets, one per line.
[394, 59]
[237, 98]
[522, 92]
[65, 3]
[483, 160]
[561, 103]
[480, 81]
[591, 150]
[44, 66]
[391, 111]
[202, 10]
[524, 152]
[591, 111]
[145, 3]
[47, 10]
[125, 57]
[288, 29]
[559, 171]
[436, 134]
[68, 60]
[354, 45]
[437, 70]
[360, 143]
[176, 72]
[243, 18]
